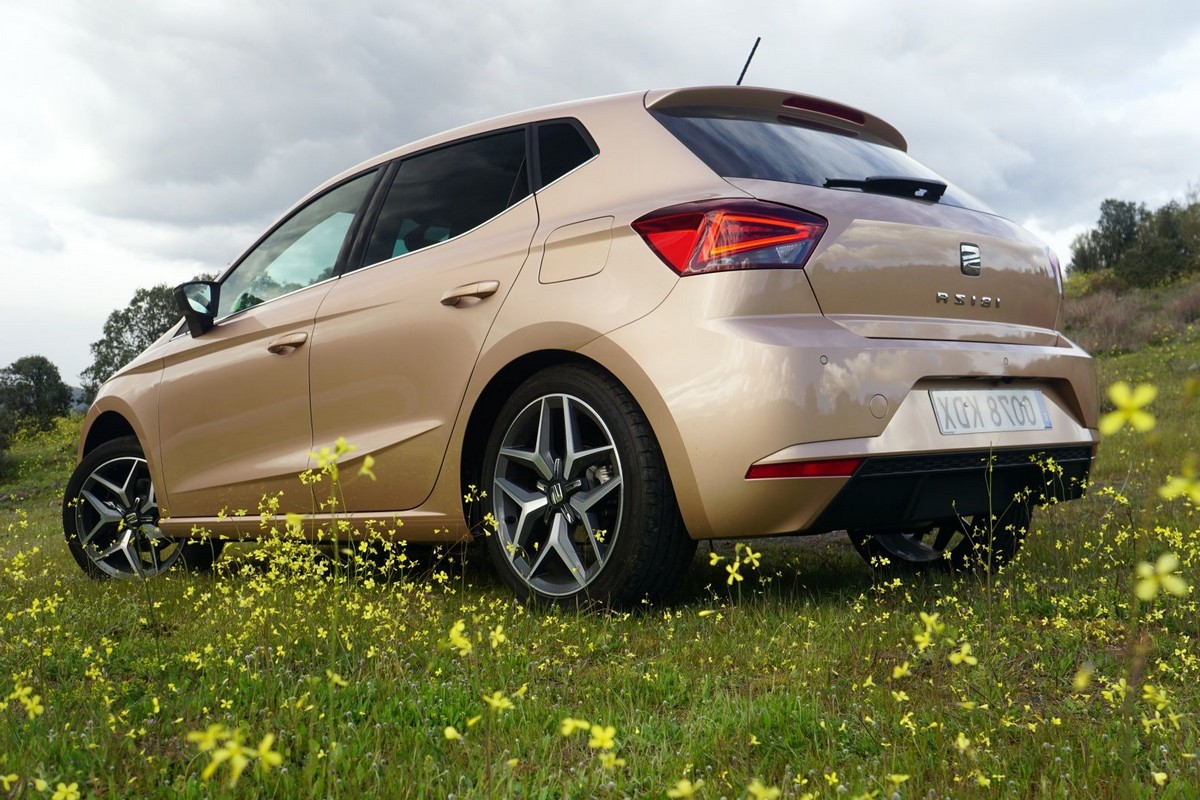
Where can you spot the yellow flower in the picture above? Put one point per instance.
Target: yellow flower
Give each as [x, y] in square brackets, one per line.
[760, 792]
[65, 792]
[497, 636]
[33, 706]
[752, 557]
[714, 559]
[210, 737]
[1187, 484]
[603, 737]
[366, 468]
[6, 781]
[1083, 678]
[1155, 696]
[498, 702]
[1129, 404]
[1159, 778]
[900, 697]
[335, 679]
[609, 760]
[1116, 693]
[900, 671]
[963, 656]
[962, 742]
[734, 575]
[898, 779]
[40, 785]
[233, 752]
[684, 788]
[571, 725]
[1159, 576]
[451, 733]
[267, 757]
[458, 640]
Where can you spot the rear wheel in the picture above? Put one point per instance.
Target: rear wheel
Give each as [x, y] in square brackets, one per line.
[584, 509]
[954, 542]
[110, 518]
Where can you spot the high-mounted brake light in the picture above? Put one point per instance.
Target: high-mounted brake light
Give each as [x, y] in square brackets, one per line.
[830, 468]
[718, 235]
[827, 107]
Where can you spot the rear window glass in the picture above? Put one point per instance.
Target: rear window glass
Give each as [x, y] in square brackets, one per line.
[742, 143]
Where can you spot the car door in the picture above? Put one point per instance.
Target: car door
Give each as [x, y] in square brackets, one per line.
[396, 341]
[234, 408]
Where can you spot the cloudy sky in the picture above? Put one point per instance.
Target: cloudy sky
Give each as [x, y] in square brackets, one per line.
[144, 142]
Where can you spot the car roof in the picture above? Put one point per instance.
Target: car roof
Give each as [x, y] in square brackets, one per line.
[809, 109]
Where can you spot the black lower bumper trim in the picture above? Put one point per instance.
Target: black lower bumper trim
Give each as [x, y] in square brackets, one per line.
[889, 492]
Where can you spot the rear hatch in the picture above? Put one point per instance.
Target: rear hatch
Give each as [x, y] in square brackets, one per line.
[905, 254]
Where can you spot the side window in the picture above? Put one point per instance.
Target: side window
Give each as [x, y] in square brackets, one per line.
[446, 192]
[300, 252]
[561, 148]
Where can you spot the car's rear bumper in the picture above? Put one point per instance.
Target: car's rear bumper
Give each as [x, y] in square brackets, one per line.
[728, 389]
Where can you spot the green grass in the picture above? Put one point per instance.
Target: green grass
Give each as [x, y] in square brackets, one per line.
[792, 678]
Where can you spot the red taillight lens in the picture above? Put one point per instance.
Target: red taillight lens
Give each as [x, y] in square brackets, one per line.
[833, 468]
[718, 235]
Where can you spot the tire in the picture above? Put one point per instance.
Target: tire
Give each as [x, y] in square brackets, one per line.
[958, 543]
[583, 505]
[110, 518]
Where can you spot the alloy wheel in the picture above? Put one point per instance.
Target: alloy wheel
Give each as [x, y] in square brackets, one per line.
[116, 521]
[557, 495]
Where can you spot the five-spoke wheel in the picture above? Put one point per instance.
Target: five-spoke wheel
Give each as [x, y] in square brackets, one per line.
[110, 517]
[582, 504]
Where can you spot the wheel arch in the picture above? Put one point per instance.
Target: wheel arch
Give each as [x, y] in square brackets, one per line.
[107, 426]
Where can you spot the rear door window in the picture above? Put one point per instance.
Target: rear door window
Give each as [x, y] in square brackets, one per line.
[444, 193]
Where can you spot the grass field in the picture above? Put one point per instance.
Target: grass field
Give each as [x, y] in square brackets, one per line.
[288, 673]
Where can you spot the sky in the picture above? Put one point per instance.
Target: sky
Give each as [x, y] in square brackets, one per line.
[146, 142]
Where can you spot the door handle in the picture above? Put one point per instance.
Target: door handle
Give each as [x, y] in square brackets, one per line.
[478, 290]
[286, 344]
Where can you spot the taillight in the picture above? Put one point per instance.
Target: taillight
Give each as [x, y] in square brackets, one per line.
[718, 235]
[830, 468]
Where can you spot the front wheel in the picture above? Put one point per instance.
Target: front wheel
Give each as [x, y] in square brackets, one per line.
[955, 542]
[110, 518]
[583, 506]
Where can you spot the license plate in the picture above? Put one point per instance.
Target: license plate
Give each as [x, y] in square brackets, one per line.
[989, 410]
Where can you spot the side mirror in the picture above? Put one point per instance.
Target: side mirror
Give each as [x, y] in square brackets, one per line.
[197, 301]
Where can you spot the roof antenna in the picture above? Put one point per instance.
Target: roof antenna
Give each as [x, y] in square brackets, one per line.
[749, 58]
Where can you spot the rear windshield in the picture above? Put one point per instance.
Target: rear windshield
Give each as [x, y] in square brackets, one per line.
[744, 143]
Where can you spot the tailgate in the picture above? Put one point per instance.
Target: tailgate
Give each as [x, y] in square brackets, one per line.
[895, 267]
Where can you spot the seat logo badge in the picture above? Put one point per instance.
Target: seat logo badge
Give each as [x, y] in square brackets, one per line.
[970, 258]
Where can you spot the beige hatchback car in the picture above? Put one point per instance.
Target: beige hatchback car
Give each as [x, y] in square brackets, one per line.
[633, 322]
